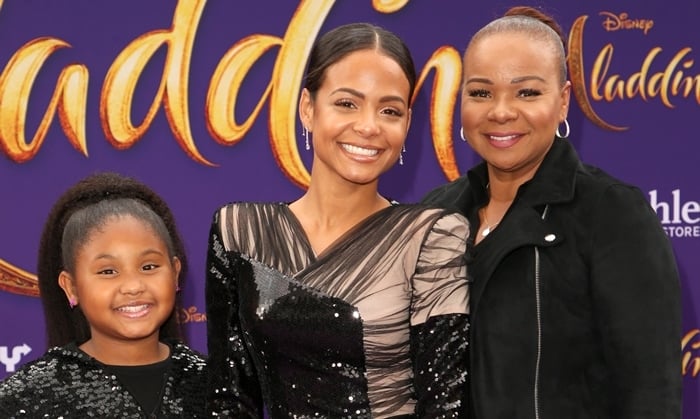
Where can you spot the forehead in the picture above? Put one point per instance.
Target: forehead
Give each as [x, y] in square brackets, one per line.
[512, 51]
[125, 226]
[366, 65]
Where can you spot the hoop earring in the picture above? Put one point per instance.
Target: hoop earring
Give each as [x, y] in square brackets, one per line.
[566, 128]
[403, 150]
[461, 134]
[307, 145]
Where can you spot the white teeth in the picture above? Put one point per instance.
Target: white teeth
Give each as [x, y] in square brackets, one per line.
[359, 150]
[506, 138]
[133, 309]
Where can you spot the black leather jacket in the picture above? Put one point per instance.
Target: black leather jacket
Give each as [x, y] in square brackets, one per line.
[575, 298]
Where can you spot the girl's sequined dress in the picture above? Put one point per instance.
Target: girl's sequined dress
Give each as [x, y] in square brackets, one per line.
[67, 383]
[374, 327]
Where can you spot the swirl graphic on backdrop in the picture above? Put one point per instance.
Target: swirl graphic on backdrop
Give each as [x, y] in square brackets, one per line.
[17, 281]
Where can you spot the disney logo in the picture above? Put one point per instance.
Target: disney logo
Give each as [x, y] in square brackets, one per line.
[613, 22]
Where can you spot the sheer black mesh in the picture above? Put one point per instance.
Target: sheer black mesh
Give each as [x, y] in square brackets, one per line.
[393, 271]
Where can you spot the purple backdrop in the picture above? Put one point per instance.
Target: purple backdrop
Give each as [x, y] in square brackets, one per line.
[130, 86]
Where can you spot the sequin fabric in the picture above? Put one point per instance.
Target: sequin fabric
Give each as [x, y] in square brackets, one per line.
[65, 383]
[374, 327]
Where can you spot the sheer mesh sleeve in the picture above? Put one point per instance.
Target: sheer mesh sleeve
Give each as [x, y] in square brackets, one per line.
[233, 386]
[440, 280]
[440, 321]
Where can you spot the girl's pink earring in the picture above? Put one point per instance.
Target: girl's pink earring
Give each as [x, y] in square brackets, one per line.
[72, 302]
[177, 288]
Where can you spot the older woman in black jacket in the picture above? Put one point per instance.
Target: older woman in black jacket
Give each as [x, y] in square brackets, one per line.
[575, 300]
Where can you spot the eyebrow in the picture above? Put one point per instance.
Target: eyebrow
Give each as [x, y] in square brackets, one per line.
[383, 99]
[147, 252]
[514, 81]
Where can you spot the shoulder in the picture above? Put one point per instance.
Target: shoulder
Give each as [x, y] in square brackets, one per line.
[189, 369]
[182, 352]
[243, 208]
[50, 373]
[436, 220]
[449, 194]
[596, 186]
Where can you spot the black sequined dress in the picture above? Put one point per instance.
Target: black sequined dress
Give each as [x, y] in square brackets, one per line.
[374, 327]
[67, 383]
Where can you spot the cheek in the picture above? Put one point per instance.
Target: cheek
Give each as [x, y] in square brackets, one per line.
[470, 117]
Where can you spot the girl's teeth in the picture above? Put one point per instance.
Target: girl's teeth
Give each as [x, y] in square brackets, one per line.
[133, 309]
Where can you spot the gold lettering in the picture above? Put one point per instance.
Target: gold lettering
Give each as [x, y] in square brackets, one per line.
[228, 77]
[686, 85]
[636, 83]
[69, 97]
[613, 22]
[18, 281]
[578, 80]
[286, 79]
[191, 315]
[661, 84]
[388, 6]
[600, 71]
[123, 75]
[448, 73]
[690, 364]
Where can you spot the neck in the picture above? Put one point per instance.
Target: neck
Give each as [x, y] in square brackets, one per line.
[327, 213]
[329, 209]
[139, 352]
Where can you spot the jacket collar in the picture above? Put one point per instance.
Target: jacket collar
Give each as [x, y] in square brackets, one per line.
[553, 182]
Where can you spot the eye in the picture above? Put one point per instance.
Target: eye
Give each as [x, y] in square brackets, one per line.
[479, 93]
[150, 266]
[393, 112]
[345, 103]
[529, 93]
[107, 271]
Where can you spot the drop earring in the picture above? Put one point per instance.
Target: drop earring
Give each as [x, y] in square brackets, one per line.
[307, 145]
[72, 302]
[403, 150]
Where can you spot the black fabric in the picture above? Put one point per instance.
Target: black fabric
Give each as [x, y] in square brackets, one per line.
[575, 298]
[65, 382]
[144, 382]
[328, 335]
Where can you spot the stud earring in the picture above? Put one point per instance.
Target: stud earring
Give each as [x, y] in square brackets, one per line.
[567, 130]
[72, 302]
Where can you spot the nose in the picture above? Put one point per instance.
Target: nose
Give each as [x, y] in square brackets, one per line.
[366, 124]
[502, 111]
[132, 284]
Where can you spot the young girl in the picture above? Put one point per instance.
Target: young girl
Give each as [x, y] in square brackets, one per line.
[109, 263]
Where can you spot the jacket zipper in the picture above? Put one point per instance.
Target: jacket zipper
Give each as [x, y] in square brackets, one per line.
[538, 309]
[539, 333]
